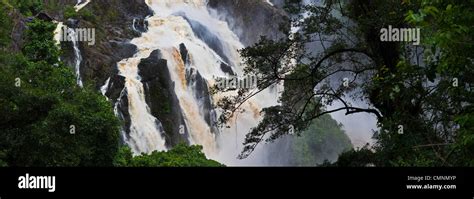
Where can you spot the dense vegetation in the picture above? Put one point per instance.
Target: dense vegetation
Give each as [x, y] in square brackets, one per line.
[323, 141]
[47, 120]
[180, 156]
[421, 95]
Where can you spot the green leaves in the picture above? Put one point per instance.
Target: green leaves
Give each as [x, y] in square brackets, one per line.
[70, 12]
[40, 45]
[38, 116]
[28, 7]
[180, 156]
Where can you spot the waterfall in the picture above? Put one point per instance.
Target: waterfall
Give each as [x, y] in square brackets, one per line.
[103, 89]
[188, 22]
[145, 130]
[77, 53]
[133, 25]
[59, 36]
[80, 4]
[269, 2]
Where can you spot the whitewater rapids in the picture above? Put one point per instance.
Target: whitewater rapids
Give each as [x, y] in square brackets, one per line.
[168, 28]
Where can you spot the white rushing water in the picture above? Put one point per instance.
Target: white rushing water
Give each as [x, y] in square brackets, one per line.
[167, 29]
[58, 37]
[145, 130]
[80, 4]
[269, 2]
[58, 32]
[103, 89]
[77, 55]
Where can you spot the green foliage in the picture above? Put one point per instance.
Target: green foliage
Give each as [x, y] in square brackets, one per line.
[363, 157]
[180, 156]
[5, 26]
[39, 45]
[2, 157]
[323, 140]
[45, 119]
[428, 100]
[87, 15]
[70, 12]
[28, 7]
[448, 37]
[436, 115]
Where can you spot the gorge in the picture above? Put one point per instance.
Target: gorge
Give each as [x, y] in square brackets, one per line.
[166, 60]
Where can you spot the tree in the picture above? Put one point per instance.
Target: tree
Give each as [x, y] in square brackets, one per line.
[28, 7]
[45, 118]
[449, 41]
[417, 120]
[324, 140]
[180, 156]
[4, 23]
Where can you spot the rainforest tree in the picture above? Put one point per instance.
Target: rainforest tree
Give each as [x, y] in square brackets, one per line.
[179, 156]
[45, 119]
[333, 54]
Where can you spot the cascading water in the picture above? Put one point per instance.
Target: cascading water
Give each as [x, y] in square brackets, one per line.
[104, 88]
[77, 53]
[58, 37]
[178, 22]
[80, 4]
[269, 2]
[145, 130]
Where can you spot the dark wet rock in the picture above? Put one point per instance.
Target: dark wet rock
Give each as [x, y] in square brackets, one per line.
[114, 26]
[117, 94]
[123, 113]
[115, 87]
[227, 69]
[184, 53]
[140, 24]
[124, 49]
[112, 35]
[251, 19]
[19, 28]
[44, 16]
[278, 3]
[72, 23]
[160, 97]
[201, 91]
[207, 36]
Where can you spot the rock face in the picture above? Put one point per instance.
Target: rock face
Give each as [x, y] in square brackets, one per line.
[201, 91]
[115, 24]
[278, 3]
[55, 8]
[117, 92]
[208, 37]
[18, 30]
[160, 97]
[251, 19]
